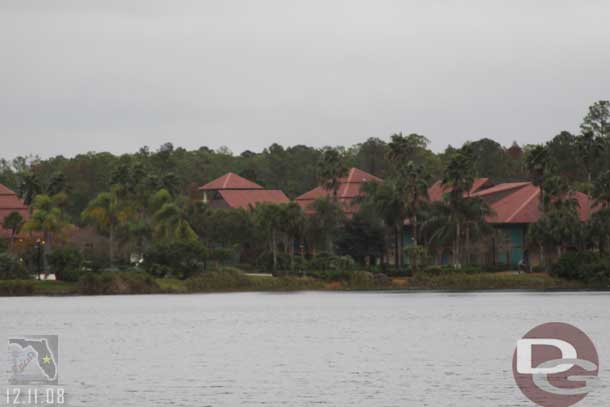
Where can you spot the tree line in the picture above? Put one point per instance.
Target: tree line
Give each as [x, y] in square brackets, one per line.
[148, 202]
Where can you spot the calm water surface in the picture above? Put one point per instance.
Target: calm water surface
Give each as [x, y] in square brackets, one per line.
[300, 349]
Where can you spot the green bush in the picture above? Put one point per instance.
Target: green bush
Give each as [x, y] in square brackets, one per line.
[364, 280]
[597, 274]
[264, 262]
[584, 266]
[11, 268]
[570, 265]
[117, 283]
[180, 259]
[227, 279]
[470, 269]
[66, 263]
[16, 288]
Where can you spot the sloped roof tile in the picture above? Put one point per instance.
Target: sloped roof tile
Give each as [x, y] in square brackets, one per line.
[230, 181]
[251, 197]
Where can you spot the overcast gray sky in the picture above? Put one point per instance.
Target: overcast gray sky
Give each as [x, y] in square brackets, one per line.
[104, 75]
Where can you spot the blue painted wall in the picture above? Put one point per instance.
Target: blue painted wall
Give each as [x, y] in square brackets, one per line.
[516, 235]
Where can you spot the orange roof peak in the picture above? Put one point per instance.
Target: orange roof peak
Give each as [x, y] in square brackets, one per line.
[230, 181]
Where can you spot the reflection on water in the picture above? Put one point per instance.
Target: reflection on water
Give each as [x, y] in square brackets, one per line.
[300, 349]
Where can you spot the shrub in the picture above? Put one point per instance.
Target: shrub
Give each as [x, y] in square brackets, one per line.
[471, 270]
[584, 266]
[264, 262]
[117, 283]
[16, 288]
[180, 259]
[67, 264]
[570, 265]
[227, 279]
[11, 268]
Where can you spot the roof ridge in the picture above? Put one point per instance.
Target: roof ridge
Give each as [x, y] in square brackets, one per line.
[523, 205]
[224, 184]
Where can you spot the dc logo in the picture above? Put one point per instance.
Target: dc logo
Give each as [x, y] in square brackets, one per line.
[555, 365]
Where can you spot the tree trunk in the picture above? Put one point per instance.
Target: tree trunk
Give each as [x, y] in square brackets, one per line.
[401, 243]
[457, 260]
[274, 250]
[292, 241]
[414, 226]
[396, 248]
[45, 252]
[111, 243]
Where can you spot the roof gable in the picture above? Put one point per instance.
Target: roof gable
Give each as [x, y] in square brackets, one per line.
[437, 190]
[230, 181]
[349, 188]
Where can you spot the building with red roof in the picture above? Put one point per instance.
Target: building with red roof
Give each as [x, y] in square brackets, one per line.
[10, 202]
[349, 189]
[437, 191]
[233, 191]
[515, 206]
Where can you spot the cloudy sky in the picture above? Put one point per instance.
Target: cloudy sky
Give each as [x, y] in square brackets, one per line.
[105, 75]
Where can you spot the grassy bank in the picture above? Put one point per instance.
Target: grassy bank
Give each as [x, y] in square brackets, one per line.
[233, 280]
[491, 281]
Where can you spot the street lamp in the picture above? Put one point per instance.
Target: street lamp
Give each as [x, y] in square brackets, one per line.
[39, 245]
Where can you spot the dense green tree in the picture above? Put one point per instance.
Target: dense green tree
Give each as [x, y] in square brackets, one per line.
[29, 187]
[362, 237]
[601, 189]
[268, 221]
[107, 212]
[48, 218]
[387, 201]
[324, 224]
[13, 222]
[330, 170]
[292, 225]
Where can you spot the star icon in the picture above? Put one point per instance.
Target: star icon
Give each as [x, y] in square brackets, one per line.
[46, 360]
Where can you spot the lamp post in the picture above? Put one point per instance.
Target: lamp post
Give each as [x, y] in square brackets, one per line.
[39, 245]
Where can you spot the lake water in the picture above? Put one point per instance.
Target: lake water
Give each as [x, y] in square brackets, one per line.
[300, 349]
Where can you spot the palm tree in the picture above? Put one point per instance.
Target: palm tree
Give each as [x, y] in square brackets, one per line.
[601, 190]
[47, 218]
[450, 223]
[416, 192]
[387, 201]
[13, 222]
[537, 161]
[330, 170]
[107, 212]
[170, 220]
[458, 178]
[293, 226]
[323, 225]
[29, 187]
[590, 148]
[268, 218]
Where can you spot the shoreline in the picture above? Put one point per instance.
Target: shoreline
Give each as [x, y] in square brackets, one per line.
[421, 282]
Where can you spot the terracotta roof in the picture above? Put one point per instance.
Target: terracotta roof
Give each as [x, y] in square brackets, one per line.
[436, 191]
[229, 181]
[10, 202]
[251, 197]
[500, 188]
[522, 204]
[349, 188]
[6, 191]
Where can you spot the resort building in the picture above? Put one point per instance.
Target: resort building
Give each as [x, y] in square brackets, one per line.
[349, 189]
[515, 206]
[10, 202]
[233, 191]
